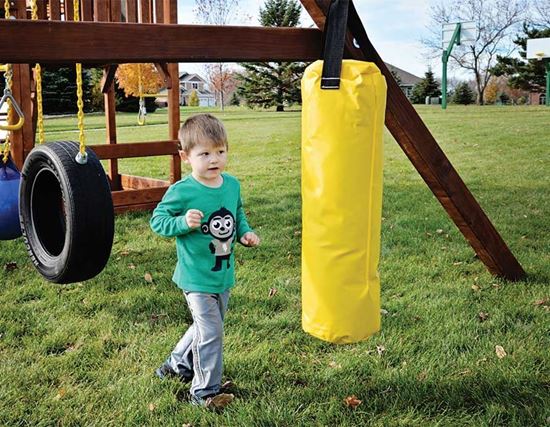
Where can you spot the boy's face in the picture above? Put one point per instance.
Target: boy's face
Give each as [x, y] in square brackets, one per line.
[207, 161]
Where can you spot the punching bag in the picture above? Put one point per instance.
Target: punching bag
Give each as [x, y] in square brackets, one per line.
[9, 200]
[343, 106]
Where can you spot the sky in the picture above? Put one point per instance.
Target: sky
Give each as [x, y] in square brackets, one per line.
[394, 27]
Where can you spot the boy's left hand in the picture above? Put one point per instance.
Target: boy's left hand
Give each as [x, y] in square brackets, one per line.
[250, 239]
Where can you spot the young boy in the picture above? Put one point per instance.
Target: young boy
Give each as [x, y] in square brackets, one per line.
[204, 212]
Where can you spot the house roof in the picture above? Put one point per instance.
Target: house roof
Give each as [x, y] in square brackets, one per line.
[406, 77]
[191, 77]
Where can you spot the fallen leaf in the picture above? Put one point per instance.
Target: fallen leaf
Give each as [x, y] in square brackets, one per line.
[380, 349]
[10, 266]
[383, 311]
[541, 301]
[457, 263]
[352, 401]
[476, 288]
[60, 393]
[334, 365]
[499, 350]
[272, 292]
[439, 231]
[131, 266]
[465, 372]
[483, 316]
[297, 232]
[125, 252]
[495, 285]
[152, 407]
[148, 277]
[187, 425]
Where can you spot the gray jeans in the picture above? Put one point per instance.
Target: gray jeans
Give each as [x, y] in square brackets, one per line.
[198, 353]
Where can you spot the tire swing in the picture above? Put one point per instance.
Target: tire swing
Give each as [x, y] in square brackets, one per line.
[9, 174]
[343, 105]
[66, 207]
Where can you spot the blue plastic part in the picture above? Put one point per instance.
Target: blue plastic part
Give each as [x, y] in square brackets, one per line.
[9, 200]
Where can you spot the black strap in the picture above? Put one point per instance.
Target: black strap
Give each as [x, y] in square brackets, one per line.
[335, 36]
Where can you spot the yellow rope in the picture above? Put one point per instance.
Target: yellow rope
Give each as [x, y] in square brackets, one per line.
[8, 77]
[38, 77]
[79, 102]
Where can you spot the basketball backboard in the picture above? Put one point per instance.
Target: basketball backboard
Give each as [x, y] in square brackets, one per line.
[538, 48]
[468, 32]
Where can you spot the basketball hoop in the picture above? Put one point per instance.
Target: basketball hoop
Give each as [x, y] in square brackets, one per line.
[539, 55]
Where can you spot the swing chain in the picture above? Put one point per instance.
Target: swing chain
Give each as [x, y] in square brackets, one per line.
[142, 111]
[38, 79]
[82, 156]
[8, 97]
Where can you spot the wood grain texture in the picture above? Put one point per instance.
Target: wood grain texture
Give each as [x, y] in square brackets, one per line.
[135, 149]
[101, 42]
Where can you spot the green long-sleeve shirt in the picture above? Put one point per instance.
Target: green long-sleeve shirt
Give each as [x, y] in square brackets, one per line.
[205, 255]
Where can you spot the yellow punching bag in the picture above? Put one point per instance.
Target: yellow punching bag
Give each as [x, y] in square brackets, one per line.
[342, 132]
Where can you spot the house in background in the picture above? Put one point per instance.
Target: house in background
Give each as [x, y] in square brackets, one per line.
[536, 98]
[188, 83]
[408, 80]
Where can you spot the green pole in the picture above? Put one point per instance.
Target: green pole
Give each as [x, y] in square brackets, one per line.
[444, 81]
[445, 58]
[547, 83]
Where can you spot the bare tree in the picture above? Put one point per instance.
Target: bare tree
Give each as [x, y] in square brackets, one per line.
[541, 9]
[495, 20]
[217, 12]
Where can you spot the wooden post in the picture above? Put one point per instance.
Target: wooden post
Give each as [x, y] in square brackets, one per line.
[102, 12]
[21, 90]
[419, 145]
[171, 17]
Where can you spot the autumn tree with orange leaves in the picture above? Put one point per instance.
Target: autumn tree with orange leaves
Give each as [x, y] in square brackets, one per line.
[128, 77]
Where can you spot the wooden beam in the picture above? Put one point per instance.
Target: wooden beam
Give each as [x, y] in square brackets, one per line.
[419, 145]
[131, 197]
[55, 10]
[171, 17]
[136, 207]
[132, 182]
[108, 77]
[135, 149]
[56, 42]
[162, 69]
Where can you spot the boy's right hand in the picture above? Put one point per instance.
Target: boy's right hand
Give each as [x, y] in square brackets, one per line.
[193, 218]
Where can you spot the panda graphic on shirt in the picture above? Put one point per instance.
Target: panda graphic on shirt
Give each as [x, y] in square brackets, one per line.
[221, 226]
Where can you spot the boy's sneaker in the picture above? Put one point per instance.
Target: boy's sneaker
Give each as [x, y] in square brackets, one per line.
[165, 370]
[214, 402]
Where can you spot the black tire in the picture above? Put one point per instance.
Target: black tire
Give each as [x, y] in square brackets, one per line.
[66, 212]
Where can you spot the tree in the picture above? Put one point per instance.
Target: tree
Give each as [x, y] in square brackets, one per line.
[235, 100]
[217, 12]
[268, 84]
[222, 82]
[130, 76]
[463, 94]
[495, 20]
[59, 90]
[522, 73]
[428, 86]
[491, 91]
[541, 13]
[194, 99]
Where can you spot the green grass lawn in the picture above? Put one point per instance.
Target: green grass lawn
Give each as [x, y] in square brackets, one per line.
[84, 354]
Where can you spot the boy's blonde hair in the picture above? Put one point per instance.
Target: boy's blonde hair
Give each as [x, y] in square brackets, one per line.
[200, 129]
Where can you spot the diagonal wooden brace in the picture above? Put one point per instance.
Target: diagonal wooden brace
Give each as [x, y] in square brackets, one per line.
[419, 145]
